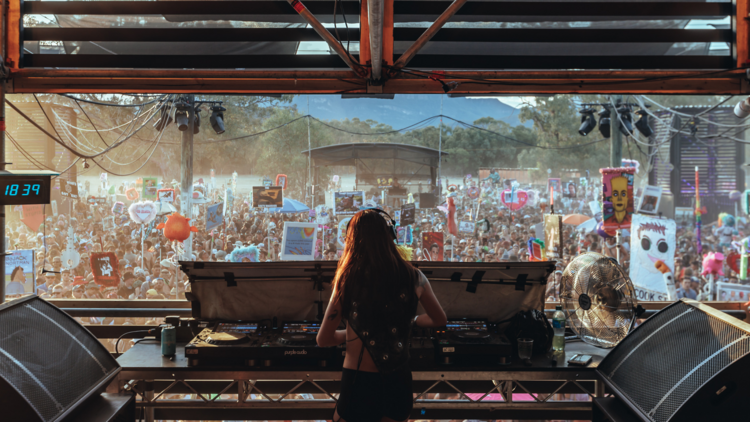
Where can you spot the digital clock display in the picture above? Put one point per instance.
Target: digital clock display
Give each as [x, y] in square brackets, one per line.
[24, 190]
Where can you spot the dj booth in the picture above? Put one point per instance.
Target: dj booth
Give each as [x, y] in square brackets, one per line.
[281, 374]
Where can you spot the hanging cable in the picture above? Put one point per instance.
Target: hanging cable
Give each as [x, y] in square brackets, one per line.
[113, 105]
[111, 147]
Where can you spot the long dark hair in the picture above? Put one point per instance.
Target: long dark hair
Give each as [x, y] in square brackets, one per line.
[370, 253]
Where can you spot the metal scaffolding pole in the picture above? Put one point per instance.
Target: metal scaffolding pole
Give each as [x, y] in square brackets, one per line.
[186, 173]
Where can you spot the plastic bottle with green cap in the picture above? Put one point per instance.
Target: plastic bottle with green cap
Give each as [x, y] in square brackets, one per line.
[558, 324]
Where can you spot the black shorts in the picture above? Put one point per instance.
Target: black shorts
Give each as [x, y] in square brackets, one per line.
[373, 395]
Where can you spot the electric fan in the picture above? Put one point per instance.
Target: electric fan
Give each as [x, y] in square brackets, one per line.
[598, 299]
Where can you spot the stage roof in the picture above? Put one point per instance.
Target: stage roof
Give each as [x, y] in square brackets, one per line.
[348, 154]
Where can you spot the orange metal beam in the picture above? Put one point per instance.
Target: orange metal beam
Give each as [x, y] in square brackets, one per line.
[13, 35]
[364, 35]
[388, 32]
[326, 82]
[742, 32]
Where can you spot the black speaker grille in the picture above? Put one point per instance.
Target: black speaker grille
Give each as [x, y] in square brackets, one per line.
[48, 358]
[660, 365]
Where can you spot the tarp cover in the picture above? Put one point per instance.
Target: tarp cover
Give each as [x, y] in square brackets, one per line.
[292, 296]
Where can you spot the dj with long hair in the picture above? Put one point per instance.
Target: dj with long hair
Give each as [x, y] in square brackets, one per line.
[376, 292]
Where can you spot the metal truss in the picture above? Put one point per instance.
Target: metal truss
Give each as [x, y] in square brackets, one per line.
[437, 394]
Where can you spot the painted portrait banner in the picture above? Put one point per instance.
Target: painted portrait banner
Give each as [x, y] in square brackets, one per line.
[617, 197]
[433, 245]
[652, 247]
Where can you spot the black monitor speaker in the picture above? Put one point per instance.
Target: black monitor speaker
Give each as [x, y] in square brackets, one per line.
[688, 362]
[427, 200]
[50, 365]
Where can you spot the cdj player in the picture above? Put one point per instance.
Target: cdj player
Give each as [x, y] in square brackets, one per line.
[226, 344]
[254, 344]
[471, 342]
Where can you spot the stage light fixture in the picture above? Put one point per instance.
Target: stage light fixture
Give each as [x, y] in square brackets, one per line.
[181, 117]
[604, 122]
[742, 109]
[588, 122]
[86, 164]
[217, 118]
[197, 121]
[642, 124]
[626, 120]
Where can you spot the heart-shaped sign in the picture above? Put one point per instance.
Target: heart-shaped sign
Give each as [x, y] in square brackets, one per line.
[142, 212]
[733, 260]
[514, 200]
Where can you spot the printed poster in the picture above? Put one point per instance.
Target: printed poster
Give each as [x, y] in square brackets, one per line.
[397, 216]
[650, 200]
[404, 235]
[466, 226]
[298, 241]
[348, 203]
[165, 195]
[432, 245]
[150, 188]
[729, 292]
[268, 197]
[408, 212]
[19, 272]
[553, 240]
[214, 216]
[617, 197]
[652, 248]
[570, 190]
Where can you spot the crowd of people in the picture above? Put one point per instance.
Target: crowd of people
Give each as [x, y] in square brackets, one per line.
[149, 269]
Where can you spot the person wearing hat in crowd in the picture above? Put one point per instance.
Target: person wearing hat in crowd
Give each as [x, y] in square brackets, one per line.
[126, 287]
[92, 291]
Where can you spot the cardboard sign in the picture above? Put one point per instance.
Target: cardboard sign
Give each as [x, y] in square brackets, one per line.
[69, 190]
[214, 216]
[19, 272]
[104, 268]
[433, 243]
[142, 212]
[108, 223]
[165, 195]
[348, 203]
[281, 180]
[298, 241]
[268, 197]
[617, 197]
[118, 208]
[466, 226]
[408, 212]
[553, 239]
[514, 199]
[150, 187]
[650, 200]
[651, 240]
[33, 216]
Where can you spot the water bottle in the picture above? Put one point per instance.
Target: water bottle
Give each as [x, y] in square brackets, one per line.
[558, 324]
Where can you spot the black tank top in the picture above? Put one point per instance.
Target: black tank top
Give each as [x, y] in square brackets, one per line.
[383, 320]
